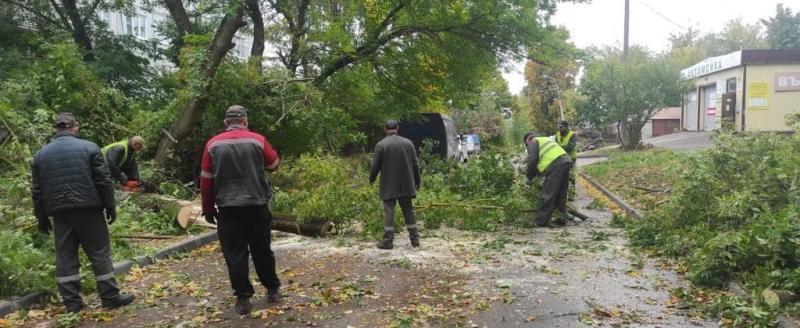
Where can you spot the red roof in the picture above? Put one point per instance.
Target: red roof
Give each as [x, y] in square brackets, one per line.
[669, 113]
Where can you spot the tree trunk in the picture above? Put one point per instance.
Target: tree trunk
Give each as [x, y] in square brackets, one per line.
[632, 135]
[257, 51]
[79, 32]
[178, 13]
[195, 107]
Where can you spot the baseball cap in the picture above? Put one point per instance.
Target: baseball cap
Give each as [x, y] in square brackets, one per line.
[65, 120]
[235, 111]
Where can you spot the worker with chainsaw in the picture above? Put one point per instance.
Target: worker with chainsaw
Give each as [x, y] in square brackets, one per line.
[233, 177]
[122, 162]
[567, 140]
[545, 157]
[70, 182]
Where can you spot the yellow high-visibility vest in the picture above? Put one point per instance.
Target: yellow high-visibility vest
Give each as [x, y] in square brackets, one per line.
[549, 150]
[564, 141]
[123, 143]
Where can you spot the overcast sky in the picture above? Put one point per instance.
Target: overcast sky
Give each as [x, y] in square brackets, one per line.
[651, 22]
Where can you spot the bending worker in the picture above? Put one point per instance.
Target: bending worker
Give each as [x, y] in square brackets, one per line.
[546, 157]
[567, 140]
[121, 162]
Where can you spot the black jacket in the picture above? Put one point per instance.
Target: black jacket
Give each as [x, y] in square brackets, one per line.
[69, 173]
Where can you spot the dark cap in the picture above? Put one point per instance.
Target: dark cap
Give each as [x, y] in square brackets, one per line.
[235, 111]
[391, 125]
[65, 120]
[527, 135]
[563, 124]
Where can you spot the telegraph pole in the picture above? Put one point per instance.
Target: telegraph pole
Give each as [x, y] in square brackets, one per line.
[627, 19]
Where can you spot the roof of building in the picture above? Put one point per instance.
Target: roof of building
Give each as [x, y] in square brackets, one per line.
[741, 57]
[770, 56]
[668, 113]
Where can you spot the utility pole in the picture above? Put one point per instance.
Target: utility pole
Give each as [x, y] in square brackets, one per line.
[627, 19]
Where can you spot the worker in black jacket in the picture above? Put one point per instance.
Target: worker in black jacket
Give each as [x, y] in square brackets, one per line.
[71, 183]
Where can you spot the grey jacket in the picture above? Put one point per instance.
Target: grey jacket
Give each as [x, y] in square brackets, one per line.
[396, 160]
[69, 173]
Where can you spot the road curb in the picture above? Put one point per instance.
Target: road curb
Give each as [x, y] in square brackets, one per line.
[630, 210]
[120, 268]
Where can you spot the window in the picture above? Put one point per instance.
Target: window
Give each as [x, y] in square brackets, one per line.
[730, 85]
[105, 17]
[136, 26]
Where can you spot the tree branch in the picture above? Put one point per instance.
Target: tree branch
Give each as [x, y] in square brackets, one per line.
[372, 46]
[178, 13]
[60, 12]
[36, 13]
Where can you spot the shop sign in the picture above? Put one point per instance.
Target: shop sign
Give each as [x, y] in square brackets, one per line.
[787, 81]
[713, 64]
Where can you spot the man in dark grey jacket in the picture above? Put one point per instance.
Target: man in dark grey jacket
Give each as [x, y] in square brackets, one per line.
[396, 160]
[70, 181]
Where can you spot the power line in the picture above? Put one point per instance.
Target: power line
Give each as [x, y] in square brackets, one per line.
[662, 15]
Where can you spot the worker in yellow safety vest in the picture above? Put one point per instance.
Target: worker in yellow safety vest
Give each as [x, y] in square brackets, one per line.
[121, 162]
[567, 140]
[545, 157]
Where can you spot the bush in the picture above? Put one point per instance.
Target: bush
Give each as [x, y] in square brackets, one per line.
[733, 214]
[23, 266]
[479, 195]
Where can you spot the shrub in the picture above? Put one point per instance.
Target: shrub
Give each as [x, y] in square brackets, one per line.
[23, 266]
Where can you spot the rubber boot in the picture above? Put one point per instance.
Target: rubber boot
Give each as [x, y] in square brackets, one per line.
[388, 240]
[413, 234]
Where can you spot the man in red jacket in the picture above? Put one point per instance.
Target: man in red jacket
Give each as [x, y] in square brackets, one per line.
[233, 178]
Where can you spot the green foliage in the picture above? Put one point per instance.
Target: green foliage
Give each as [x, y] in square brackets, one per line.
[631, 92]
[782, 28]
[479, 195]
[733, 216]
[23, 266]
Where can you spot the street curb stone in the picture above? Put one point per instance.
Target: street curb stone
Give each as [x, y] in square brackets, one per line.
[120, 267]
[630, 210]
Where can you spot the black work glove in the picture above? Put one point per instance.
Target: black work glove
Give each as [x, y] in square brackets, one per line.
[111, 215]
[211, 218]
[44, 225]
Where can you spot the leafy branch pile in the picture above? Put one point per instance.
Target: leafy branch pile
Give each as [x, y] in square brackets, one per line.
[734, 215]
[479, 195]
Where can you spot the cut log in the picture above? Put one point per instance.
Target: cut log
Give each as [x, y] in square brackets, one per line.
[188, 213]
[775, 297]
[287, 223]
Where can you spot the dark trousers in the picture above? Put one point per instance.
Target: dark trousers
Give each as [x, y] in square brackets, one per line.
[554, 192]
[407, 206]
[87, 228]
[245, 232]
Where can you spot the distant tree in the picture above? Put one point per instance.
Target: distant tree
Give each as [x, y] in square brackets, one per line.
[550, 75]
[783, 30]
[629, 93]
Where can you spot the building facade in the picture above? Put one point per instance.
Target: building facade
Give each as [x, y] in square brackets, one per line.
[747, 90]
[142, 23]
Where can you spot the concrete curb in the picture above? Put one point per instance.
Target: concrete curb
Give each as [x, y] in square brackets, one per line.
[120, 267]
[592, 156]
[613, 197]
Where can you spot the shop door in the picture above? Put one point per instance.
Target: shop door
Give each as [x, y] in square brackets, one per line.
[729, 111]
[710, 110]
[690, 111]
